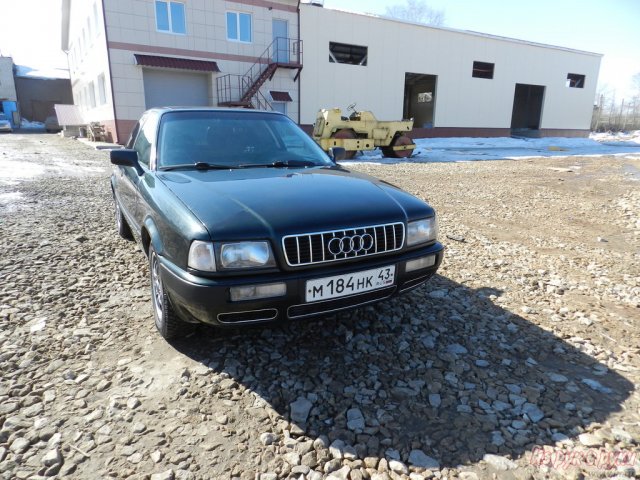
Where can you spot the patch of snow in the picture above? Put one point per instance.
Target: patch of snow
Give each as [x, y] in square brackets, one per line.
[632, 137]
[10, 197]
[24, 123]
[49, 72]
[468, 149]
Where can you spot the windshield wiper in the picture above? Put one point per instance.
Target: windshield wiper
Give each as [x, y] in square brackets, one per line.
[281, 164]
[199, 166]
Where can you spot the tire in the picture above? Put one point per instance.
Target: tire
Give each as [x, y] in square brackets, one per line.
[165, 318]
[349, 135]
[121, 223]
[400, 140]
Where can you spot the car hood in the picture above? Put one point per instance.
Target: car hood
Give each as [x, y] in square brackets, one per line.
[271, 203]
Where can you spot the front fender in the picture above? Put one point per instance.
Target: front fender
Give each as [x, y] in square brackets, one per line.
[154, 238]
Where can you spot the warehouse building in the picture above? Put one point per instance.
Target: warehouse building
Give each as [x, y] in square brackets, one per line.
[451, 82]
[125, 57]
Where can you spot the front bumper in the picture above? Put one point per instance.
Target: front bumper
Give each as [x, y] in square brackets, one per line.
[208, 300]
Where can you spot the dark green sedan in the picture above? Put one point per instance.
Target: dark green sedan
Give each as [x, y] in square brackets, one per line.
[244, 219]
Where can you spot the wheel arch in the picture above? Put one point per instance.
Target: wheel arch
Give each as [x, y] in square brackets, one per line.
[149, 235]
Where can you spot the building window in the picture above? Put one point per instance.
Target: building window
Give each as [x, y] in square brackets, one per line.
[92, 95]
[575, 80]
[483, 70]
[239, 27]
[102, 91]
[350, 54]
[96, 24]
[170, 17]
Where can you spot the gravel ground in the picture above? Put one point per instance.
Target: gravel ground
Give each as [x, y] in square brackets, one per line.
[519, 360]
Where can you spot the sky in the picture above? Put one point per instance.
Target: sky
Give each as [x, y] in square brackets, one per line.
[30, 33]
[30, 30]
[609, 27]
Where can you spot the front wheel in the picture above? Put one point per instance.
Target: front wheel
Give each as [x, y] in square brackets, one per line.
[166, 320]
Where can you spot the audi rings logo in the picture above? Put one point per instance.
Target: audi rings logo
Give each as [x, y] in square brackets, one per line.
[353, 244]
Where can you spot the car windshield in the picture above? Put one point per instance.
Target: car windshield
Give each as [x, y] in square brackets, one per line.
[3, 116]
[236, 139]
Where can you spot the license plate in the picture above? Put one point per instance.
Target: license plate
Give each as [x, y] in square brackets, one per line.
[350, 283]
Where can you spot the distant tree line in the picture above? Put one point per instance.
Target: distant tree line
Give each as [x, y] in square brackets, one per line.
[611, 114]
[417, 11]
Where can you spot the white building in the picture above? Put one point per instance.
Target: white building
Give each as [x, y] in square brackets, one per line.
[125, 57]
[7, 84]
[451, 82]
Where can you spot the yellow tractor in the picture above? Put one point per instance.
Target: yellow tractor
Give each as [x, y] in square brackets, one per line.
[361, 131]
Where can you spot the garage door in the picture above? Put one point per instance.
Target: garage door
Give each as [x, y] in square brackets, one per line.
[168, 88]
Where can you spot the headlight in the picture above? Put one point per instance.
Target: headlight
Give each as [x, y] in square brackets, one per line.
[246, 255]
[422, 231]
[202, 256]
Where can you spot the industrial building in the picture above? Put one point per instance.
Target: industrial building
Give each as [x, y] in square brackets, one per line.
[125, 57]
[451, 82]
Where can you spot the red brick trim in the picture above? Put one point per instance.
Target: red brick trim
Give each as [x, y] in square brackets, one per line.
[125, 127]
[134, 47]
[564, 132]
[110, 128]
[480, 132]
[459, 132]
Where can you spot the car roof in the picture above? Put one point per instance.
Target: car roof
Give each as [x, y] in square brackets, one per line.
[210, 109]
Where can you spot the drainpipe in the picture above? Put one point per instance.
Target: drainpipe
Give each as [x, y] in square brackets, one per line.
[300, 77]
[113, 97]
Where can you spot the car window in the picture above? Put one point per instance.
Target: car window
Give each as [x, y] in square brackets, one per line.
[3, 116]
[134, 133]
[144, 140]
[233, 138]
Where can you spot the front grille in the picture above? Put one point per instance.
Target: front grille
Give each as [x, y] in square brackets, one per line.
[334, 305]
[323, 247]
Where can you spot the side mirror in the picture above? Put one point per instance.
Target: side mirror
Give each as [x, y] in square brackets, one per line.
[126, 157]
[337, 153]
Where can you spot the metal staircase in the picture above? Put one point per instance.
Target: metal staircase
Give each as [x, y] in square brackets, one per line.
[244, 90]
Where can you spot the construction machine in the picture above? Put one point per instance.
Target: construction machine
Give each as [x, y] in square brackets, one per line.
[362, 131]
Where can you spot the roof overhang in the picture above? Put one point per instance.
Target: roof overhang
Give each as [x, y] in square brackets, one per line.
[69, 115]
[280, 96]
[175, 63]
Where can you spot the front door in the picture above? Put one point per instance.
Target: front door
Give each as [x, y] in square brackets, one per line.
[281, 41]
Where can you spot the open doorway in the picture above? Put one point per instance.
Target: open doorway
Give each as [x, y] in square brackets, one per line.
[527, 108]
[419, 99]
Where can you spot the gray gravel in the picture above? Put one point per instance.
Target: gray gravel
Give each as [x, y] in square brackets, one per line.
[527, 338]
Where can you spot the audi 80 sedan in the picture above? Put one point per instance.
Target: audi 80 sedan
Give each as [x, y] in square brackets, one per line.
[244, 219]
